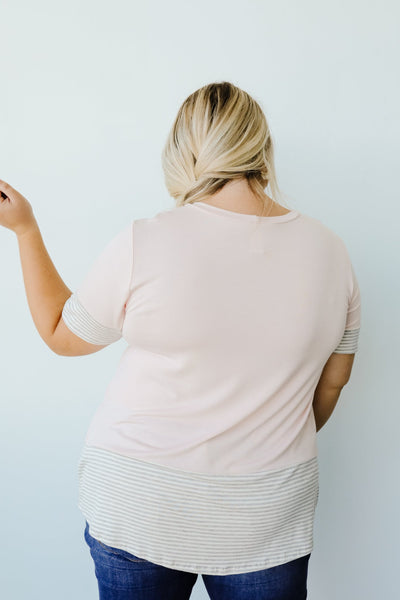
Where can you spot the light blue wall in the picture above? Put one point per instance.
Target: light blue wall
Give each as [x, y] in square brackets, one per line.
[89, 91]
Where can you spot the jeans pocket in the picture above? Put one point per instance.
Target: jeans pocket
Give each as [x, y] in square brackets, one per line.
[92, 541]
[121, 553]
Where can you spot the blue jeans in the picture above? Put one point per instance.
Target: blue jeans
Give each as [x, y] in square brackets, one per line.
[123, 576]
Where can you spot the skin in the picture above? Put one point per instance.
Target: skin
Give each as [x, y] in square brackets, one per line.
[47, 293]
[237, 197]
[45, 290]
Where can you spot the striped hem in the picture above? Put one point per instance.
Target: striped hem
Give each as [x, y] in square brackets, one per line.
[349, 342]
[80, 322]
[194, 522]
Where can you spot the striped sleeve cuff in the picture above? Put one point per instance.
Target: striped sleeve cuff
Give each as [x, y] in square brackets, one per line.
[80, 322]
[349, 342]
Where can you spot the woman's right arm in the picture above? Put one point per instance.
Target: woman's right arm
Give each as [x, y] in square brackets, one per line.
[334, 376]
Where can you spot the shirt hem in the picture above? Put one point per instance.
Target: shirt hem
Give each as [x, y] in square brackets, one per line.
[204, 569]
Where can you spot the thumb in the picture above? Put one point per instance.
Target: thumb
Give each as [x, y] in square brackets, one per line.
[4, 188]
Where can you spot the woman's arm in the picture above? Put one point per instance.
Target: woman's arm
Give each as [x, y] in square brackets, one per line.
[325, 400]
[45, 290]
[47, 293]
[334, 376]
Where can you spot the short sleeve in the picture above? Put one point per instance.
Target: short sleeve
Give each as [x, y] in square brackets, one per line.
[96, 310]
[349, 341]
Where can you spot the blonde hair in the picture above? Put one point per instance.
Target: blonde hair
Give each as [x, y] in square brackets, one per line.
[219, 134]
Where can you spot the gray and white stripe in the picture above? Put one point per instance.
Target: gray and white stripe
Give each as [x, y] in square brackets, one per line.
[195, 522]
[80, 322]
[349, 342]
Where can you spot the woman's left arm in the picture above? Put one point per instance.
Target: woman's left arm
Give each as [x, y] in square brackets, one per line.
[45, 290]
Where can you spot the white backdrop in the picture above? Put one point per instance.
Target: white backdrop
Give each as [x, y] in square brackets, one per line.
[89, 90]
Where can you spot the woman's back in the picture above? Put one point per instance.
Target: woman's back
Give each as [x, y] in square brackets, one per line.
[229, 319]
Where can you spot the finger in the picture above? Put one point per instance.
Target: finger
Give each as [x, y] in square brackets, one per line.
[4, 188]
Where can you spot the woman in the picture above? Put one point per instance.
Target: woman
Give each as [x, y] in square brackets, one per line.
[242, 319]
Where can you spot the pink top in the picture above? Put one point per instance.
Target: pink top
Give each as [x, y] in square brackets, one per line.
[229, 319]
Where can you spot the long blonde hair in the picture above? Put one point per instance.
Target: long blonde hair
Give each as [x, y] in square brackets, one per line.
[219, 134]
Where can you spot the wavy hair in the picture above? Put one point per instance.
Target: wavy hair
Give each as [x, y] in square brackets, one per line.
[219, 134]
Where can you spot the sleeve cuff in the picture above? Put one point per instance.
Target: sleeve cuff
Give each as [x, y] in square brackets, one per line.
[349, 342]
[80, 322]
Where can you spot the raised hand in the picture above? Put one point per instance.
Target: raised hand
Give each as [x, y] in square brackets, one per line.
[16, 212]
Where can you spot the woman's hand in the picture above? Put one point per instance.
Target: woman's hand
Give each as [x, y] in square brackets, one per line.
[15, 211]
